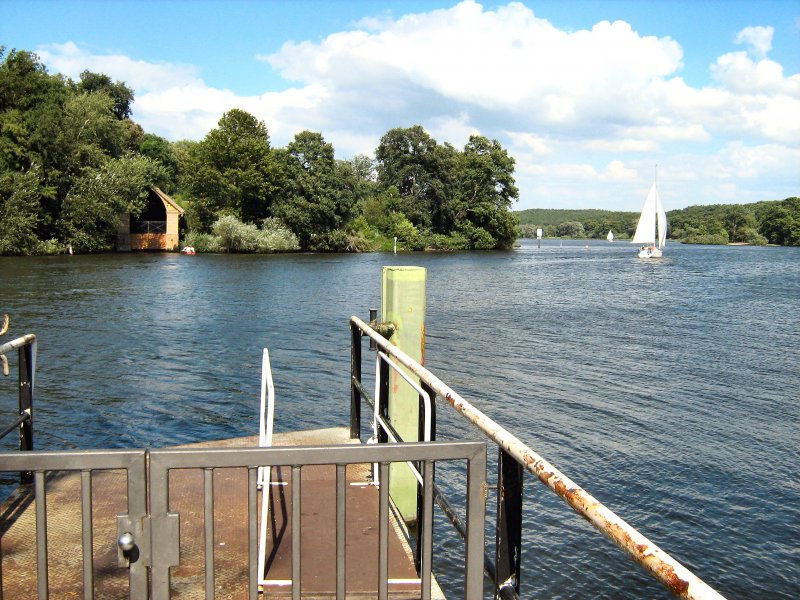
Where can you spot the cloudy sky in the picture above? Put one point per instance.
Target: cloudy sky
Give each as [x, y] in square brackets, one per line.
[586, 95]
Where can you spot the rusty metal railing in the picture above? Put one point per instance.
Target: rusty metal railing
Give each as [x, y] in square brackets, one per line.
[26, 348]
[516, 457]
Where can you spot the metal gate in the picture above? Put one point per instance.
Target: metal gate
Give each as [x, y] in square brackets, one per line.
[148, 533]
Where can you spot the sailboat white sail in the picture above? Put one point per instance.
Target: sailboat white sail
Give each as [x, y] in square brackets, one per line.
[651, 231]
[610, 236]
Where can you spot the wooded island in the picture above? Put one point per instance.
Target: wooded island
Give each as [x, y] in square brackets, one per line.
[74, 165]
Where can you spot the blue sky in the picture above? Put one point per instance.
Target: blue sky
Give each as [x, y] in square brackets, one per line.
[586, 95]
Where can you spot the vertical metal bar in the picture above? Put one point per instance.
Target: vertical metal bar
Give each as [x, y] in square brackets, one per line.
[508, 536]
[341, 532]
[383, 399]
[425, 527]
[41, 535]
[383, 534]
[355, 376]
[208, 517]
[476, 514]
[296, 532]
[137, 508]
[87, 534]
[252, 527]
[421, 436]
[26, 373]
[159, 506]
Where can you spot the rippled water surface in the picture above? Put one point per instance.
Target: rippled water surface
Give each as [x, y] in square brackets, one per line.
[668, 389]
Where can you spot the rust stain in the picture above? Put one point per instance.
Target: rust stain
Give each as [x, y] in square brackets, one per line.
[561, 489]
[641, 548]
[674, 583]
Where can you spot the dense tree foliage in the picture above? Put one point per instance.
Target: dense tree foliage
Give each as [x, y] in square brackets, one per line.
[68, 158]
[443, 193]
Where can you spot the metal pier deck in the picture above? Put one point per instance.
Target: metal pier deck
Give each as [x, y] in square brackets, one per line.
[318, 579]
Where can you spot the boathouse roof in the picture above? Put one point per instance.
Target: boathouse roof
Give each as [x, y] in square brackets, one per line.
[163, 195]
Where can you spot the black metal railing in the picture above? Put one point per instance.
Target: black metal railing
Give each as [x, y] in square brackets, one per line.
[23, 422]
[148, 227]
[515, 458]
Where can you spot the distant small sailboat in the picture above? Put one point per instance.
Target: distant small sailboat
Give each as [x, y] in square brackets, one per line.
[610, 236]
[651, 230]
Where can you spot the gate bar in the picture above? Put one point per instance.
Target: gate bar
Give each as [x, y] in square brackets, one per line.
[88, 534]
[41, 535]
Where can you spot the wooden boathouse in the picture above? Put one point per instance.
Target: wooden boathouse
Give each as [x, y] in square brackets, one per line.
[155, 229]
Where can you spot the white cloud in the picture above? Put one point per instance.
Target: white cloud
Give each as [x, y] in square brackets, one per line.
[528, 143]
[617, 171]
[142, 76]
[585, 113]
[738, 73]
[758, 38]
[454, 129]
[504, 60]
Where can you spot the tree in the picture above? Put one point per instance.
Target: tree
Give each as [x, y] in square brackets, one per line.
[121, 94]
[20, 211]
[736, 220]
[571, 229]
[487, 190]
[232, 171]
[407, 160]
[780, 223]
[318, 195]
[91, 210]
[161, 150]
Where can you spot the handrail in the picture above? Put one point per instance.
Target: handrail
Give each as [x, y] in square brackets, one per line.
[26, 348]
[669, 572]
[378, 421]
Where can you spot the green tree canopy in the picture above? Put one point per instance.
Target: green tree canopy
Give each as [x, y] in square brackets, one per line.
[120, 93]
[318, 196]
[407, 159]
[232, 171]
[159, 149]
[92, 208]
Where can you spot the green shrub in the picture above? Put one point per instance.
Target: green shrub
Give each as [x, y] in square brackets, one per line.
[335, 240]
[48, 247]
[203, 242]
[276, 237]
[454, 241]
[718, 238]
[236, 236]
[751, 236]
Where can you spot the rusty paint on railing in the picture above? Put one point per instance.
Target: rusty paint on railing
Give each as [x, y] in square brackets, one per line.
[17, 343]
[673, 575]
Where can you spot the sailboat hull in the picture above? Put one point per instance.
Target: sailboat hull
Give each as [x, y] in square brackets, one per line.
[649, 252]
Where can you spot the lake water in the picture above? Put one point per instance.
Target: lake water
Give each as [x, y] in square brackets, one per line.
[668, 389]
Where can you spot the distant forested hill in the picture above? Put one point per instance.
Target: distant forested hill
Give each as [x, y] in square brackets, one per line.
[770, 221]
[590, 223]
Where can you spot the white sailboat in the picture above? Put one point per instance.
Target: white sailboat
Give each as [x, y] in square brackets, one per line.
[610, 236]
[651, 232]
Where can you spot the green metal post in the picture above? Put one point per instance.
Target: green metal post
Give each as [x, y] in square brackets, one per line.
[403, 303]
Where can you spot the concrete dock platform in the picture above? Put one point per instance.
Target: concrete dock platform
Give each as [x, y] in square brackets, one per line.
[318, 548]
